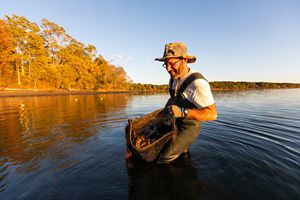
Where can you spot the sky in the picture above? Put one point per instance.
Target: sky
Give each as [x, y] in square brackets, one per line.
[233, 40]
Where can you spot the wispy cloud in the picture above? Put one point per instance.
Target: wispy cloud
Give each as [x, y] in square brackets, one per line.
[119, 56]
[115, 57]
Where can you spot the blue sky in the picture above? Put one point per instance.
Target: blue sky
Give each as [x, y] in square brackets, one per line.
[233, 40]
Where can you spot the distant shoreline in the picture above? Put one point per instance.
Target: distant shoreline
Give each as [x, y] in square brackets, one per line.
[30, 92]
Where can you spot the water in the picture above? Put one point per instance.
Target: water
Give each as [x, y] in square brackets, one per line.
[60, 147]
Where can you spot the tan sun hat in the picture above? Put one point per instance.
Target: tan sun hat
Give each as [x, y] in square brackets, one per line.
[176, 50]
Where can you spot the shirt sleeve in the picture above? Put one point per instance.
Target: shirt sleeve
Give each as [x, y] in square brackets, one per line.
[199, 93]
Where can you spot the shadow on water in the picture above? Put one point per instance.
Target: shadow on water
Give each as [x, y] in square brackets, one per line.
[178, 180]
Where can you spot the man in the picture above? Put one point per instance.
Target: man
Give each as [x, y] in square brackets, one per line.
[191, 101]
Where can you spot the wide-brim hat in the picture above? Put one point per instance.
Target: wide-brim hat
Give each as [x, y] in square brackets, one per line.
[176, 50]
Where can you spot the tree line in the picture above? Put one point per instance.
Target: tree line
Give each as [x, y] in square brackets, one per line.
[231, 85]
[220, 85]
[46, 57]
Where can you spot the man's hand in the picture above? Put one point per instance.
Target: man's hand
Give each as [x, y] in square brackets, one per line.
[208, 113]
[176, 111]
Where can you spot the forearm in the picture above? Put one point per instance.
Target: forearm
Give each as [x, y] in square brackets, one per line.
[203, 114]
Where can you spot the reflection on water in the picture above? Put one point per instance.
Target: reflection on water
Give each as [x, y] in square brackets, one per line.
[59, 147]
[45, 133]
[32, 125]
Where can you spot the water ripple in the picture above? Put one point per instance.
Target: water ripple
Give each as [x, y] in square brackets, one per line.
[61, 147]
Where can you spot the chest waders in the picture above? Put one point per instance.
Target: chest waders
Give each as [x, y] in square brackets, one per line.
[187, 129]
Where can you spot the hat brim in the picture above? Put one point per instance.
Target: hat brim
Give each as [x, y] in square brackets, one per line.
[190, 59]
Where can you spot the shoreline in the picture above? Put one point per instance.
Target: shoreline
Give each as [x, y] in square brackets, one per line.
[30, 92]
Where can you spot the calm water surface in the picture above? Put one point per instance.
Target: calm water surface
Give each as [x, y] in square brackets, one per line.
[60, 147]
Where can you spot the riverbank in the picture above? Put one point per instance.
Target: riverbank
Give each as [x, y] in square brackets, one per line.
[30, 92]
[13, 92]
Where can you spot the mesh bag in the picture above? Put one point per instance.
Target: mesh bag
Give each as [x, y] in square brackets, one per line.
[146, 136]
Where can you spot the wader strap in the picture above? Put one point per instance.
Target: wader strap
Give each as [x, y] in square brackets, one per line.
[184, 85]
[181, 101]
[171, 91]
[189, 80]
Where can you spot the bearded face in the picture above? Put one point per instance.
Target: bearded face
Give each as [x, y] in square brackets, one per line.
[174, 67]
